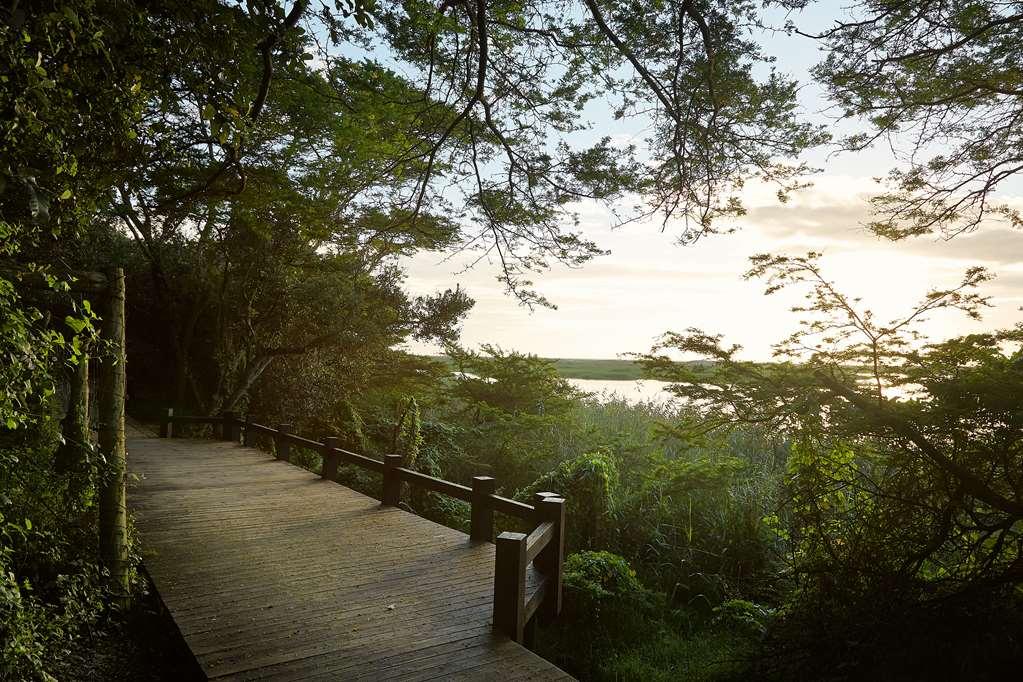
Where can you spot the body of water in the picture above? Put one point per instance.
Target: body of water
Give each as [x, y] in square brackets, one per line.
[634, 391]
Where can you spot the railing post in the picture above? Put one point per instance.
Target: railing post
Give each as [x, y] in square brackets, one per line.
[330, 458]
[482, 524]
[167, 424]
[551, 559]
[230, 429]
[246, 431]
[510, 585]
[282, 446]
[391, 493]
[538, 518]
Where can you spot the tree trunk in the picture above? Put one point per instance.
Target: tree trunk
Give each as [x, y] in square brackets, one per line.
[113, 541]
[254, 370]
[183, 338]
[73, 455]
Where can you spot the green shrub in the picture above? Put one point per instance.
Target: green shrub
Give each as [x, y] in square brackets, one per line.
[605, 602]
[602, 576]
[615, 629]
[51, 589]
[589, 483]
[742, 616]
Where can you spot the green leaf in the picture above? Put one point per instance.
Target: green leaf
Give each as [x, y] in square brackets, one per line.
[76, 324]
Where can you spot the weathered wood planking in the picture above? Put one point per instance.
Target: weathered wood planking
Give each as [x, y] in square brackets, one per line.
[273, 573]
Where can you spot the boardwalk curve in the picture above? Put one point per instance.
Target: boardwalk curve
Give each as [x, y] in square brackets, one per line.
[272, 573]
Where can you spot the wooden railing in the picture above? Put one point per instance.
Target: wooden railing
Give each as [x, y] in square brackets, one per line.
[528, 568]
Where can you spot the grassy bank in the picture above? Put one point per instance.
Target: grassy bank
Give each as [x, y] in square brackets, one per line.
[591, 368]
[608, 369]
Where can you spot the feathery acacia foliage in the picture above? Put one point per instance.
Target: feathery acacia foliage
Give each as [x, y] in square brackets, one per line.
[905, 469]
[941, 82]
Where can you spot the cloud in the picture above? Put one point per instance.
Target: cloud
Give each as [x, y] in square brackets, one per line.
[835, 210]
[987, 245]
[838, 222]
[649, 284]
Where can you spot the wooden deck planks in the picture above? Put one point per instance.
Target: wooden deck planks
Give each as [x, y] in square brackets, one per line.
[272, 573]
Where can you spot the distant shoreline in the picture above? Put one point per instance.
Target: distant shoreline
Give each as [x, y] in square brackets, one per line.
[601, 369]
[607, 369]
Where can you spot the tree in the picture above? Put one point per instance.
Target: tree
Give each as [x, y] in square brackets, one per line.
[222, 198]
[507, 86]
[905, 473]
[54, 153]
[481, 119]
[277, 295]
[940, 82]
[508, 381]
[69, 94]
[514, 407]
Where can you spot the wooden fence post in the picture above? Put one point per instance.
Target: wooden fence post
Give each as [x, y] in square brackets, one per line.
[538, 518]
[282, 446]
[391, 493]
[246, 431]
[330, 458]
[167, 424]
[509, 585]
[113, 534]
[229, 431]
[551, 559]
[482, 525]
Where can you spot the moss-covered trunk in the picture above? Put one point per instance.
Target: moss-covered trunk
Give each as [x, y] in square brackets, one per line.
[113, 541]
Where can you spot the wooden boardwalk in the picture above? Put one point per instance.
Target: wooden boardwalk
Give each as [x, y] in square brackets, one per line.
[271, 572]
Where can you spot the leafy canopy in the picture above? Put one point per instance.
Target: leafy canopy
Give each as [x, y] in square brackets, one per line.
[906, 467]
[940, 82]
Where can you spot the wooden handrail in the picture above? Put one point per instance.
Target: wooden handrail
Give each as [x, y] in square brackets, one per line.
[518, 555]
[284, 436]
[195, 419]
[481, 523]
[437, 485]
[538, 539]
[259, 427]
[534, 601]
[519, 510]
[361, 460]
[302, 442]
[331, 458]
[514, 608]
[510, 585]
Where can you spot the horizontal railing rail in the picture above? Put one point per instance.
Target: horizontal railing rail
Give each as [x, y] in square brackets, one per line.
[528, 567]
[537, 541]
[437, 485]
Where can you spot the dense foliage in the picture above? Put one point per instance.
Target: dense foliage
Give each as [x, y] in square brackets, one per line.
[66, 108]
[260, 169]
[903, 473]
[940, 82]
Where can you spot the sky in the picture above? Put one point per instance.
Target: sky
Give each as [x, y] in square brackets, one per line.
[648, 285]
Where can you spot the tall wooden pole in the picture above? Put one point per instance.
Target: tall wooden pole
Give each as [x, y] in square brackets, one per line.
[113, 540]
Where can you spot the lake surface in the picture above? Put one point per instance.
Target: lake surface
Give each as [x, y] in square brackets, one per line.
[634, 391]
